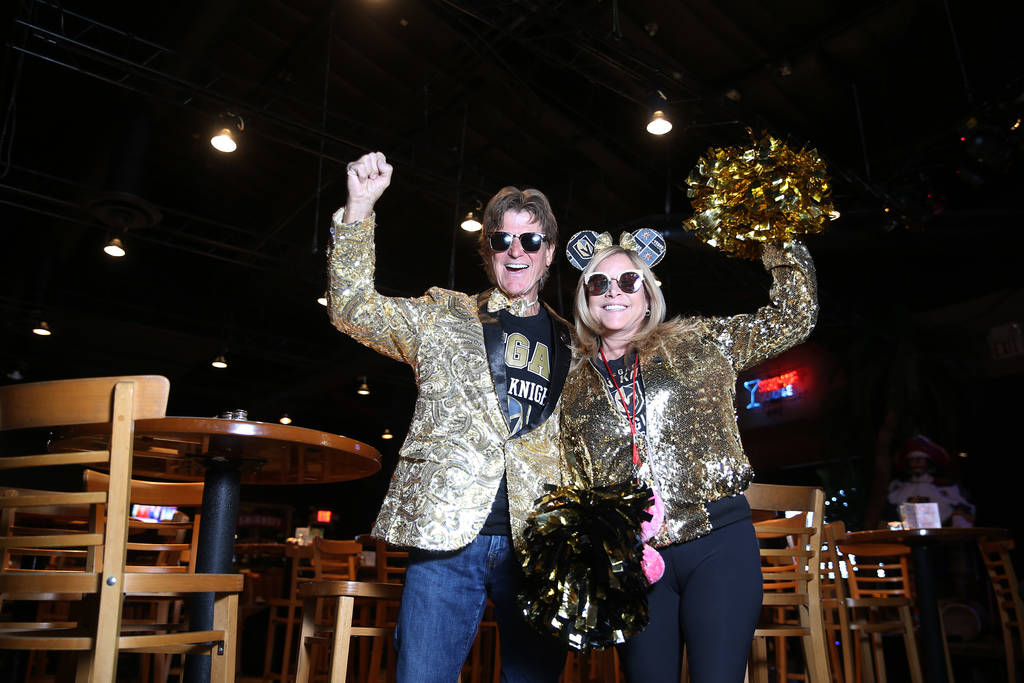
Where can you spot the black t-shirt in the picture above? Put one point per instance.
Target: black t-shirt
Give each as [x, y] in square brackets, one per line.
[623, 369]
[528, 346]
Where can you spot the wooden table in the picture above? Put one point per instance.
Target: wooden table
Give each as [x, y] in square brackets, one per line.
[920, 541]
[224, 454]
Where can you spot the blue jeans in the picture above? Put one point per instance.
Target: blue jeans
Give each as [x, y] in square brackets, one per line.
[442, 603]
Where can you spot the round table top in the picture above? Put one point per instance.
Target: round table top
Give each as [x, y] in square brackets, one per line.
[925, 536]
[268, 453]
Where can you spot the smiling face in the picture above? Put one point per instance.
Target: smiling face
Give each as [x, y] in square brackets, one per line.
[619, 314]
[517, 272]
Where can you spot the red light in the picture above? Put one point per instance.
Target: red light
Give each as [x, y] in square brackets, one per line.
[778, 382]
[963, 138]
[323, 516]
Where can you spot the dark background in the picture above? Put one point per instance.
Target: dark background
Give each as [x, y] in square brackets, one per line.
[915, 105]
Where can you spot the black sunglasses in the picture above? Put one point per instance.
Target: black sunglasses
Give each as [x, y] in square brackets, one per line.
[629, 281]
[529, 241]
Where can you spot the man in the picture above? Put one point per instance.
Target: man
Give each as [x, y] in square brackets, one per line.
[490, 368]
[922, 467]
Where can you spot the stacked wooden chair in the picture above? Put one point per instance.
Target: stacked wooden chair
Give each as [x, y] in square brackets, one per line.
[1005, 588]
[792, 575]
[880, 601]
[97, 588]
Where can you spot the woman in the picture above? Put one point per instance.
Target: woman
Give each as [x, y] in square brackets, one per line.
[653, 400]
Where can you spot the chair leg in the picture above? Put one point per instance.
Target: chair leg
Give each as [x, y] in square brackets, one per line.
[225, 618]
[910, 642]
[342, 638]
[302, 673]
[758, 662]
[879, 656]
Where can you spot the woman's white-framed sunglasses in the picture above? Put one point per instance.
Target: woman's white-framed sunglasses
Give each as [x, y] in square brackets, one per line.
[629, 281]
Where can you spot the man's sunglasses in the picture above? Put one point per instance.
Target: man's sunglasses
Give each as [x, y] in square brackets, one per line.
[629, 281]
[529, 241]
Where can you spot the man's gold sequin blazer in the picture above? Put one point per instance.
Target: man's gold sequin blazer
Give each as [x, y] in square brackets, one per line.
[693, 443]
[459, 443]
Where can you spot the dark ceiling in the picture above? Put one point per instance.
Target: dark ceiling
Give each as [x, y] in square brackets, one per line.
[108, 109]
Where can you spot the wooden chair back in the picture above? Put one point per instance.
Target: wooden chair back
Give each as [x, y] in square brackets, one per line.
[335, 560]
[389, 562]
[115, 400]
[164, 546]
[1005, 588]
[878, 570]
[800, 568]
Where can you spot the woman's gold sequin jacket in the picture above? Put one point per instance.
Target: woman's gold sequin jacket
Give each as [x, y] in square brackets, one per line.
[459, 441]
[693, 443]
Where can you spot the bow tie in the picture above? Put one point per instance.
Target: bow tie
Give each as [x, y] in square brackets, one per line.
[517, 306]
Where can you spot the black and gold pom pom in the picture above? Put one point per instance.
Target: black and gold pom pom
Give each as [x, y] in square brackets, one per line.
[584, 583]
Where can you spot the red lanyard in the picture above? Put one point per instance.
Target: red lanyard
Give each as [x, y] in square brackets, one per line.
[618, 389]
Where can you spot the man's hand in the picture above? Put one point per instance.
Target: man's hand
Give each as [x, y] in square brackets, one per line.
[368, 177]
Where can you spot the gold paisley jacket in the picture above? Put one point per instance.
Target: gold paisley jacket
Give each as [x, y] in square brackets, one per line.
[459, 442]
[693, 443]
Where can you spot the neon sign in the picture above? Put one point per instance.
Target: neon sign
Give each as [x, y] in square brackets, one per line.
[772, 389]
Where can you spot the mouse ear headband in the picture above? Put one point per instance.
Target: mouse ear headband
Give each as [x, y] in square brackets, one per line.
[648, 244]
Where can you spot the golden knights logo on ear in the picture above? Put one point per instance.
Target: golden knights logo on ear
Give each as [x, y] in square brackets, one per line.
[648, 243]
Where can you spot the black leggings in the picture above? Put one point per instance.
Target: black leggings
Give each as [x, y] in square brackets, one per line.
[709, 597]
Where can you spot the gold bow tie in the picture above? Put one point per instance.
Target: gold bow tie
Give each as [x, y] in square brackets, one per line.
[517, 306]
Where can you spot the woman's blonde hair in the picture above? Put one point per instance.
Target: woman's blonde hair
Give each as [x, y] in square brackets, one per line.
[654, 328]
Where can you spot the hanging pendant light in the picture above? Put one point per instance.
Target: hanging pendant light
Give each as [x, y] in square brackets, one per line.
[115, 248]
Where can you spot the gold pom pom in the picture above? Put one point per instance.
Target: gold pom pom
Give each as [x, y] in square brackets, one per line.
[766, 193]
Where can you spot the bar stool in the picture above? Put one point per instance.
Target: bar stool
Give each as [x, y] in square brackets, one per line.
[285, 613]
[996, 555]
[341, 595]
[880, 601]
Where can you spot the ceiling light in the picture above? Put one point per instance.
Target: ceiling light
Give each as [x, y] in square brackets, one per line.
[387, 434]
[658, 125]
[115, 248]
[657, 104]
[364, 389]
[224, 141]
[285, 420]
[470, 223]
[42, 329]
[322, 299]
[220, 362]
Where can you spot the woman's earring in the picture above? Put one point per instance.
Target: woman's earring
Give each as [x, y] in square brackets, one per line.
[648, 313]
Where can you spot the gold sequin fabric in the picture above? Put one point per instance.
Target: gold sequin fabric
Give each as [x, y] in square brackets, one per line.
[693, 445]
[459, 442]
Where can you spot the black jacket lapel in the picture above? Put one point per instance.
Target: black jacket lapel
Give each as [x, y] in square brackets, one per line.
[495, 351]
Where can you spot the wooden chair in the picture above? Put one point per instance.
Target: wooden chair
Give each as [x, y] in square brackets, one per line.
[803, 575]
[343, 595]
[996, 555]
[833, 602]
[101, 584]
[165, 546]
[880, 601]
[389, 562]
[285, 614]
